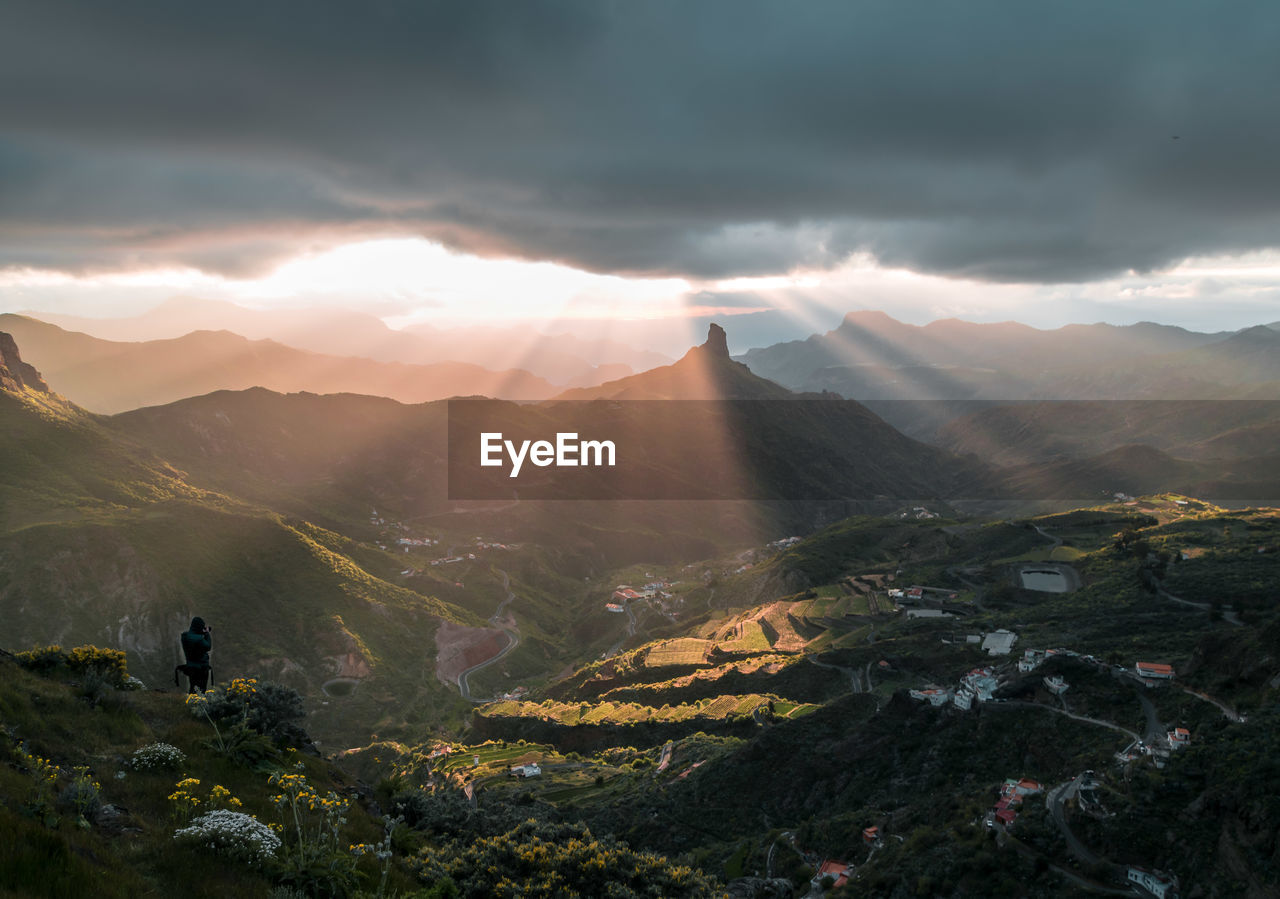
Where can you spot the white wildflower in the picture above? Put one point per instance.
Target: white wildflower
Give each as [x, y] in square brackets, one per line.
[232, 834]
[155, 756]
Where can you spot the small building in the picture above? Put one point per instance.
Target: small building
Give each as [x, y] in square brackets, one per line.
[871, 836]
[1031, 660]
[1005, 816]
[1179, 738]
[839, 872]
[982, 683]
[613, 607]
[963, 700]
[1056, 685]
[999, 643]
[1027, 787]
[928, 613]
[525, 770]
[1155, 883]
[933, 696]
[1153, 670]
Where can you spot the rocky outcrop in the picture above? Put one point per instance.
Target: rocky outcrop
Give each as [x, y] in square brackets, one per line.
[717, 344]
[14, 373]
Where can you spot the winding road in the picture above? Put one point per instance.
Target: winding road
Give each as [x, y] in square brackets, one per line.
[629, 632]
[1228, 615]
[1015, 703]
[513, 640]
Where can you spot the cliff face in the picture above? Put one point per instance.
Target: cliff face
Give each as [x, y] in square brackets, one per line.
[14, 373]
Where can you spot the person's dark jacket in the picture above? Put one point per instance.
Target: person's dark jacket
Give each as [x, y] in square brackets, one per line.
[196, 644]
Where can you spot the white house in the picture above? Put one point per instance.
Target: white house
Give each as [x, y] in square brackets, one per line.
[525, 770]
[1154, 882]
[999, 643]
[1030, 660]
[1056, 685]
[982, 683]
[934, 697]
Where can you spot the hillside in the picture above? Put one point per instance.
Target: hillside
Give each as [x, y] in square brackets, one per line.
[1037, 432]
[764, 713]
[227, 797]
[111, 544]
[108, 377]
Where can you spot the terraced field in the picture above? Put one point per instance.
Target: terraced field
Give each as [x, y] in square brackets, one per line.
[572, 714]
[681, 651]
[746, 637]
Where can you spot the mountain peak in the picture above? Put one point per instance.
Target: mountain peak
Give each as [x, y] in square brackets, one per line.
[14, 373]
[717, 344]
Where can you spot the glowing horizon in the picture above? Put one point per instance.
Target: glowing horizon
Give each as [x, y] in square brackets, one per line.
[406, 281]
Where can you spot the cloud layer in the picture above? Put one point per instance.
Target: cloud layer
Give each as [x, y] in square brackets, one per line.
[1038, 142]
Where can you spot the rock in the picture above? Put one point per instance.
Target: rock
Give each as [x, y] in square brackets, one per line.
[115, 821]
[717, 343]
[16, 374]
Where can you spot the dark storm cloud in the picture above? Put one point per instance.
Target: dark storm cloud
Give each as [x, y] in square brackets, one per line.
[1005, 141]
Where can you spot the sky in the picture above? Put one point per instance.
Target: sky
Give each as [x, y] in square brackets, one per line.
[768, 165]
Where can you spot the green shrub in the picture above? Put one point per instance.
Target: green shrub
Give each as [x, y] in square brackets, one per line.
[269, 708]
[109, 664]
[42, 659]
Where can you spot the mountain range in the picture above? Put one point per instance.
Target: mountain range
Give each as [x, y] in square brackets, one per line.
[114, 376]
[873, 356]
[562, 359]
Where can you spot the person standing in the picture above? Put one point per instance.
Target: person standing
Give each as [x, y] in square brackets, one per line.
[196, 645]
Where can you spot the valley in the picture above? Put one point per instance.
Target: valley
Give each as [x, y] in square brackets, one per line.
[758, 690]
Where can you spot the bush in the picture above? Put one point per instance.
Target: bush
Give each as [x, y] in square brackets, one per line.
[157, 757]
[234, 835]
[109, 664]
[268, 708]
[42, 659]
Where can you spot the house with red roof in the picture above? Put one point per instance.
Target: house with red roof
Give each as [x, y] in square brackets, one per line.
[1153, 671]
[839, 872]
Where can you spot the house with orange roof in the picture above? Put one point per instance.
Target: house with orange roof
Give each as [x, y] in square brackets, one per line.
[839, 872]
[1153, 670]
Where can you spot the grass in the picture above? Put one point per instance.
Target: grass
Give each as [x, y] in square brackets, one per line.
[55, 723]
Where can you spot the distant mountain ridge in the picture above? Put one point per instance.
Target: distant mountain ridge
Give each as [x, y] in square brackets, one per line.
[108, 376]
[873, 356]
[563, 359]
